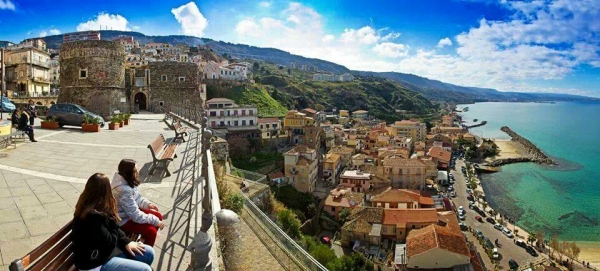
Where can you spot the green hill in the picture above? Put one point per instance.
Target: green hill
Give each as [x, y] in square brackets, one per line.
[255, 94]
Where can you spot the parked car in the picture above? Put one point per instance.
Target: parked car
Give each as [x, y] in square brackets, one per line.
[507, 232]
[498, 227]
[478, 233]
[453, 194]
[479, 219]
[531, 251]
[325, 240]
[450, 188]
[513, 264]
[460, 209]
[521, 243]
[461, 216]
[491, 220]
[71, 114]
[7, 105]
[462, 226]
[495, 254]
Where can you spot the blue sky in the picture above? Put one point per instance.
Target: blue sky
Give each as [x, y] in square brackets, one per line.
[532, 46]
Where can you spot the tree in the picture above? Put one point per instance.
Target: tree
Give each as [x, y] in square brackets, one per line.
[289, 71]
[563, 249]
[539, 236]
[531, 239]
[323, 254]
[234, 202]
[289, 223]
[255, 66]
[575, 251]
[319, 107]
[554, 245]
[353, 262]
[344, 214]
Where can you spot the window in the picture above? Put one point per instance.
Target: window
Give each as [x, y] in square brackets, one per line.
[413, 226]
[139, 81]
[213, 113]
[251, 122]
[212, 124]
[261, 126]
[384, 230]
[235, 123]
[222, 123]
[163, 78]
[181, 79]
[161, 103]
[243, 122]
[333, 208]
[82, 73]
[243, 112]
[274, 125]
[251, 112]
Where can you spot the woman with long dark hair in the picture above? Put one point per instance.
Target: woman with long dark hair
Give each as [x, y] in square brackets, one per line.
[24, 124]
[98, 243]
[138, 215]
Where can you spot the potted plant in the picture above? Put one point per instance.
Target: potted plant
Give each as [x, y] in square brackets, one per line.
[90, 124]
[114, 123]
[50, 123]
[121, 120]
[127, 117]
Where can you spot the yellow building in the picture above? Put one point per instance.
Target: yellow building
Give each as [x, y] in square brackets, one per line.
[409, 128]
[28, 68]
[344, 114]
[332, 166]
[296, 120]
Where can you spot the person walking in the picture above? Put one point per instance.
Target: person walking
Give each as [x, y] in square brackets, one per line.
[137, 214]
[98, 243]
[24, 125]
[32, 112]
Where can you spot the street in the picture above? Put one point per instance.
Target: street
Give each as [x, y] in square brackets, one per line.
[507, 249]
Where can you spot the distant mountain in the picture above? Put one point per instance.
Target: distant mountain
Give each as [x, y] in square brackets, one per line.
[431, 89]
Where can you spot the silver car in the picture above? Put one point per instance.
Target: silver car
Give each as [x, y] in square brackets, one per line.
[71, 114]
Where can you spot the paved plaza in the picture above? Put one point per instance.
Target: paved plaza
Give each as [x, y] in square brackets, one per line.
[41, 182]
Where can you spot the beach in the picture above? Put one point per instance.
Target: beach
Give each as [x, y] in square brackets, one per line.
[508, 149]
[590, 252]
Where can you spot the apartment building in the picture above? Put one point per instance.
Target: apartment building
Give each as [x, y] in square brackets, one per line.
[409, 128]
[238, 120]
[27, 67]
[301, 168]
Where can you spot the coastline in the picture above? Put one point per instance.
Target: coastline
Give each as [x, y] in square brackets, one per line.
[590, 252]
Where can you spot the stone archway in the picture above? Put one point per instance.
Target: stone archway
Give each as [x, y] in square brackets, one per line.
[141, 100]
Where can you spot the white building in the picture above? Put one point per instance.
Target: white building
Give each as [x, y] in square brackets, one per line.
[224, 113]
[211, 70]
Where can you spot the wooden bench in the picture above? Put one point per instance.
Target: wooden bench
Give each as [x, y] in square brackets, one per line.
[180, 131]
[54, 254]
[162, 154]
[8, 140]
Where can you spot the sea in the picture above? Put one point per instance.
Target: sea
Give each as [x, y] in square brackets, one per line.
[561, 200]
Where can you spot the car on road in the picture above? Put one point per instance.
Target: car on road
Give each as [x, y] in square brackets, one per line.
[453, 194]
[463, 226]
[531, 251]
[491, 220]
[461, 209]
[470, 197]
[513, 264]
[521, 243]
[495, 254]
[498, 227]
[481, 212]
[325, 240]
[479, 218]
[450, 188]
[462, 216]
[71, 114]
[7, 105]
[507, 232]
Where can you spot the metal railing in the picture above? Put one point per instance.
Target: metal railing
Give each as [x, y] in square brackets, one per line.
[299, 258]
[253, 176]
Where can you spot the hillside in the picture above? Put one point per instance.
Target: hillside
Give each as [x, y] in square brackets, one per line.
[276, 91]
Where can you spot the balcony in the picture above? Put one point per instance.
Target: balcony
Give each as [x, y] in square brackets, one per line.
[41, 80]
[40, 63]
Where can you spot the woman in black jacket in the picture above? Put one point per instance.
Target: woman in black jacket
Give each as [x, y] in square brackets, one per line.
[24, 124]
[32, 112]
[14, 118]
[98, 243]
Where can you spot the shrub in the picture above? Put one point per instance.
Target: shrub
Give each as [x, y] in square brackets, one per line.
[234, 202]
[289, 223]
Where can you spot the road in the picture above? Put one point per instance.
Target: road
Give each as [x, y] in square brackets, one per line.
[507, 250]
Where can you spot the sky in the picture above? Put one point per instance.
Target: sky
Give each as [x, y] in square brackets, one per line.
[525, 46]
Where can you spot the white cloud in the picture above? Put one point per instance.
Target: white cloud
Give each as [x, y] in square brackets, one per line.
[444, 42]
[135, 27]
[51, 32]
[364, 35]
[105, 21]
[391, 36]
[192, 21]
[328, 38]
[264, 4]
[389, 49]
[7, 4]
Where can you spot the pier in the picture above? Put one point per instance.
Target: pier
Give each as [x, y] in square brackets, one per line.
[533, 152]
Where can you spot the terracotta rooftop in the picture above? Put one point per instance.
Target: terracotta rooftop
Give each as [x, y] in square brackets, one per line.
[400, 217]
[344, 197]
[332, 157]
[341, 150]
[299, 149]
[440, 154]
[268, 120]
[309, 110]
[369, 214]
[403, 162]
[422, 240]
[402, 196]
[406, 122]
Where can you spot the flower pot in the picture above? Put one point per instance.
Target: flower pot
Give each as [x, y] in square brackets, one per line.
[113, 126]
[49, 125]
[126, 121]
[121, 123]
[90, 128]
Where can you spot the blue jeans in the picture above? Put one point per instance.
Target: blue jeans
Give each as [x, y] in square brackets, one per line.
[123, 262]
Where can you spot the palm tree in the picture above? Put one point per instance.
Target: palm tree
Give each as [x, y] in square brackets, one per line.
[531, 239]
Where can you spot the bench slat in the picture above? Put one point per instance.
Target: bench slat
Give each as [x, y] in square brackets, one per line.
[61, 259]
[51, 255]
[37, 252]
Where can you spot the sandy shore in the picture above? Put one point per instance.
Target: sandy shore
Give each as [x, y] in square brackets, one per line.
[508, 149]
[590, 252]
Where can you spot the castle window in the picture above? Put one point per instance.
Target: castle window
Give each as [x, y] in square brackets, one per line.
[163, 78]
[181, 79]
[82, 73]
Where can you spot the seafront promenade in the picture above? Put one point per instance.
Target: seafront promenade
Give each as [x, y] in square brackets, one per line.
[41, 182]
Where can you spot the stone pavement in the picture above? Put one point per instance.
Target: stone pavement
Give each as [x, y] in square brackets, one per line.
[41, 182]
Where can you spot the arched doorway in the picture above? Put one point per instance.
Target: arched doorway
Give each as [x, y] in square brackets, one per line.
[140, 100]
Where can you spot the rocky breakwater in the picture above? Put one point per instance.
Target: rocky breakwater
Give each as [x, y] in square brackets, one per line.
[533, 152]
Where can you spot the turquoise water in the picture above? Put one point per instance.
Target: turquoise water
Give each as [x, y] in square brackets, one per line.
[563, 200]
